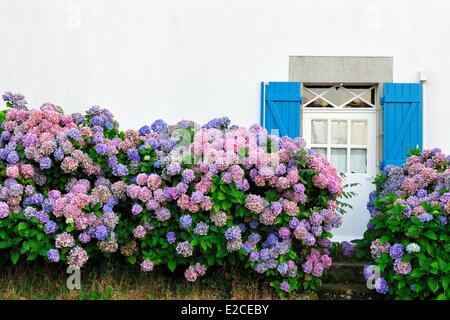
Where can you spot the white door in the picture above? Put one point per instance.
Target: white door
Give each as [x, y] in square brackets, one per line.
[347, 138]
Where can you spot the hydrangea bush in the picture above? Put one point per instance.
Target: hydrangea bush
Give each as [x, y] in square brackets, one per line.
[182, 196]
[408, 236]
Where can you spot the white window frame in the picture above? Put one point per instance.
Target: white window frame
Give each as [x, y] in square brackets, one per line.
[341, 106]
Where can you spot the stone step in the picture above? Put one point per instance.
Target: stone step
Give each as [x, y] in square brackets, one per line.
[346, 272]
[347, 291]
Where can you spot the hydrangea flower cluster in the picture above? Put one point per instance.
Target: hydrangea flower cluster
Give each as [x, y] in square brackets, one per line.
[408, 234]
[166, 194]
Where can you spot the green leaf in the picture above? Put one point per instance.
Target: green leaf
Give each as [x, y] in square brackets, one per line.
[445, 282]
[5, 244]
[22, 226]
[413, 231]
[204, 245]
[132, 259]
[32, 256]
[442, 296]
[431, 235]
[172, 264]
[210, 260]
[433, 284]
[221, 196]
[416, 273]
[15, 255]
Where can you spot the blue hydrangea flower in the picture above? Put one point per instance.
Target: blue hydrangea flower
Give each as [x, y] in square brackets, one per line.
[381, 286]
[101, 232]
[45, 163]
[50, 227]
[13, 157]
[53, 255]
[171, 237]
[159, 126]
[425, 217]
[185, 221]
[233, 233]
[201, 229]
[396, 251]
[144, 130]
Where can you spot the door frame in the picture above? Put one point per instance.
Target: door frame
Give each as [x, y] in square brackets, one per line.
[340, 114]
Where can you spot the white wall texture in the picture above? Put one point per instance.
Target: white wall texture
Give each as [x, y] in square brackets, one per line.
[174, 59]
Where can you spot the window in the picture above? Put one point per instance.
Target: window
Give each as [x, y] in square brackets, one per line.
[344, 142]
[338, 96]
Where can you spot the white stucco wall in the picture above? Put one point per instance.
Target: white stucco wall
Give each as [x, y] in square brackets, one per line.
[173, 59]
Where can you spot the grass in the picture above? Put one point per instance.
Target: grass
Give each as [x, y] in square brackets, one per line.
[112, 279]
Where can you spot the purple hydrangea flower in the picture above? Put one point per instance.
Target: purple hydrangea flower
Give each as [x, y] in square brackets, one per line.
[50, 227]
[253, 224]
[185, 221]
[197, 197]
[58, 154]
[188, 175]
[282, 268]
[53, 255]
[159, 126]
[84, 237]
[381, 286]
[348, 249]
[147, 266]
[264, 254]
[254, 256]
[368, 270]
[396, 251]
[294, 223]
[173, 169]
[233, 233]
[133, 155]
[407, 211]
[425, 217]
[136, 209]
[184, 249]
[171, 237]
[120, 170]
[143, 131]
[217, 123]
[45, 163]
[284, 286]
[422, 193]
[201, 229]
[13, 157]
[101, 232]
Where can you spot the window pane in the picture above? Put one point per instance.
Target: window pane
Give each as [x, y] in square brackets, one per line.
[368, 95]
[338, 96]
[322, 151]
[319, 131]
[319, 103]
[358, 103]
[338, 158]
[339, 131]
[312, 92]
[307, 96]
[359, 132]
[358, 160]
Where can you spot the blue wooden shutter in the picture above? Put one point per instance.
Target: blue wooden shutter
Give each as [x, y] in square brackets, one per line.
[280, 107]
[402, 127]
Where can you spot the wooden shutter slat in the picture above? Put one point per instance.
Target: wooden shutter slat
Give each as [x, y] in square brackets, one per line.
[280, 107]
[402, 108]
